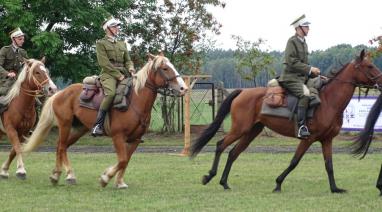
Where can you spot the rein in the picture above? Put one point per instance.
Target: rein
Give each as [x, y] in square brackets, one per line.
[39, 91]
[359, 85]
[163, 88]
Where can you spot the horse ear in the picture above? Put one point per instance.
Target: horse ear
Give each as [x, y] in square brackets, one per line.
[43, 60]
[161, 53]
[362, 55]
[150, 56]
[26, 61]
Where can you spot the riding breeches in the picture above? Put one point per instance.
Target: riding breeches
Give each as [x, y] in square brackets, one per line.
[109, 85]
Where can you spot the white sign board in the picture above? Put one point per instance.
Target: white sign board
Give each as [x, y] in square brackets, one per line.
[355, 114]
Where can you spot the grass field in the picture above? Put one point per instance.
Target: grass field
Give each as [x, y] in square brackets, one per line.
[163, 182]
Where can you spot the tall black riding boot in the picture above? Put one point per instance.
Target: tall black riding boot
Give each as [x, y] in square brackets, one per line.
[98, 126]
[303, 131]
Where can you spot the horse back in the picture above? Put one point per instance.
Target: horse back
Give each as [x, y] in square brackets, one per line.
[247, 104]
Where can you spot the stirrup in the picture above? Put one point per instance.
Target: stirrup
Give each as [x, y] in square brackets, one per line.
[97, 131]
[303, 132]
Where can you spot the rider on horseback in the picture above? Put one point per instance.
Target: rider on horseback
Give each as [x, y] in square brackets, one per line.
[297, 71]
[11, 60]
[114, 60]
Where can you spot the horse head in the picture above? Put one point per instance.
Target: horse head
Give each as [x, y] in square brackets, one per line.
[367, 74]
[161, 73]
[39, 79]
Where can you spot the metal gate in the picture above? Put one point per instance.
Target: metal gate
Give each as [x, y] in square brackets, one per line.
[202, 105]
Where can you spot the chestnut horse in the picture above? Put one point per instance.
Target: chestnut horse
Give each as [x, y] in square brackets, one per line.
[247, 122]
[126, 128]
[20, 117]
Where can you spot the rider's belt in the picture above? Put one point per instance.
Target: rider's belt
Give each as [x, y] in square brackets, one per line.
[117, 64]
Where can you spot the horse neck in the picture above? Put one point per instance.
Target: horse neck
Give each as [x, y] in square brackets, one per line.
[339, 92]
[144, 100]
[23, 96]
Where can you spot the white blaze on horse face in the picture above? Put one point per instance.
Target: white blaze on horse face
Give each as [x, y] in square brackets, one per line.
[50, 87]
[181, 86]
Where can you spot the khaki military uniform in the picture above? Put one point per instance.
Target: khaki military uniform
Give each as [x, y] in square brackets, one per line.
[296, 71]
[114, 60]
[11, 59]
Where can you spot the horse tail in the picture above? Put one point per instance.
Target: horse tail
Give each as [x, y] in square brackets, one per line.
[45, 123]
[208, 133]
[362, 143]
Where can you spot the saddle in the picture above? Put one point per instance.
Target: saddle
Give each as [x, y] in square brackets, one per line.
[278, 102]
[92, 93]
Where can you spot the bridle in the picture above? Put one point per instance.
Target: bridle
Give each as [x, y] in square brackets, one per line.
[373, 79]
[161, 88]
[39, 91]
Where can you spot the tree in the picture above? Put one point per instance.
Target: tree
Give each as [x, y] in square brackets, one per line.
[66, 31]
[251, 60]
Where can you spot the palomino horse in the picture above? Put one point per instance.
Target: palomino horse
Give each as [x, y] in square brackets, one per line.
[20, 116]
[125, 127]
[247, 122]
[362, 144]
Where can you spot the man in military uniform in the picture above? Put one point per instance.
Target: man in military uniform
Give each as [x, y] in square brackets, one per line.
[114, 60]
[297, 71]
[11, 59]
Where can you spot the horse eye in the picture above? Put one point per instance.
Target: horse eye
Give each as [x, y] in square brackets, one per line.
[370, 66]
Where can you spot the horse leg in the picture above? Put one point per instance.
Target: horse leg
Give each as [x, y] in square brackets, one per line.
[73, 138]
[4, 174]
[15, 141]
[245, 140]
[63, 134]
[379, 182]
[300, 151]
[220, 147]
[121, 151]
[327, 152]
[131, 147]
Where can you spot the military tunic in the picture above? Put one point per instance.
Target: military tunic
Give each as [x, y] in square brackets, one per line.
[297, 68]
[11, 59]
[114, 60]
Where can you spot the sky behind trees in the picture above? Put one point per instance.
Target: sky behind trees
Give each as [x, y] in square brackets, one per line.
[333, 22]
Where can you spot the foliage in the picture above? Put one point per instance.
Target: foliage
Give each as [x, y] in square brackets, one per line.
[251, 60]
[66, 31]
[221, 63]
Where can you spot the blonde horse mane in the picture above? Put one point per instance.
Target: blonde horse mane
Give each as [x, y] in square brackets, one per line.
[142, 75]
[15, 90]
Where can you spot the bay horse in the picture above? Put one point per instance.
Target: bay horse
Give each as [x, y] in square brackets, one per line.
[247, 122]
[362, 144]
[126, 127]
[20, 117]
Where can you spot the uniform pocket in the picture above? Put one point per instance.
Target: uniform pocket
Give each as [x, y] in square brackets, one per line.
[111, 53]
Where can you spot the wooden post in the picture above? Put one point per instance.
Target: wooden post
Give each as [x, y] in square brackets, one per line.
[187, 111]
[187, 125]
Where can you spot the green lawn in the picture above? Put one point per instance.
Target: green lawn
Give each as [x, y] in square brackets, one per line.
[163, 182]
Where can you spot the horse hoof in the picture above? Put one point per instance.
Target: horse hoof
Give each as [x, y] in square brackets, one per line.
[103, 180]
[122, 186]
[225, 186]
[4, 175]
[276, 190]
[205, 179]
[21, 176]
[53, 180]
[71, 181]
[339, 191]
